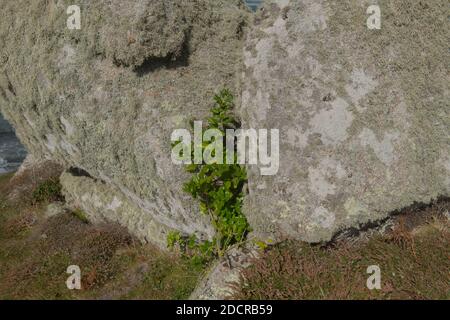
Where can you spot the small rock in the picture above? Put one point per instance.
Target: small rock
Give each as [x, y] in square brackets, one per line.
[53, 209]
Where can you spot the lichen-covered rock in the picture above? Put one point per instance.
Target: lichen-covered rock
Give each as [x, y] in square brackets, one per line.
[106, 98]
[364, 115]
[102, 204]
[225, 275]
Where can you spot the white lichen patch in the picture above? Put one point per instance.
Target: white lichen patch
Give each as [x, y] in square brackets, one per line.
[384, 149]
[92, 199]
[323, 217]
[314, 17]
[360, 85]
[332, 124]
[322, 177]
[319, 184]
[28, 120]
[295, 138]
[278, 29]
[444, 161]
[51, 142]
[68, 147]
[354, 208]
[68, 128]
[114, 205]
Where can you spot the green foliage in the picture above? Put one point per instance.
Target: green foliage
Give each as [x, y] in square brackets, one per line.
[218, 188]
[261, 245]
[173, 238]
[80, 215]
[3, 204]
[48, 191]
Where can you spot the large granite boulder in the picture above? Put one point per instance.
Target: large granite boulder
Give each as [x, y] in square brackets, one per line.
[104, 100]
[364, 115]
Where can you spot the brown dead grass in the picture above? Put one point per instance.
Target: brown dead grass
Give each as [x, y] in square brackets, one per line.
[35, 252]
[414, 258]
[34, 264]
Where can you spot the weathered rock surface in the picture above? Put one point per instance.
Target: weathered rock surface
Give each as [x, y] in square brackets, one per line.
[224, 276]
[106, 98]
[101, 203]
[364, 115]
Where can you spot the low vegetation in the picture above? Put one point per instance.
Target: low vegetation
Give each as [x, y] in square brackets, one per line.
[219, 189]
[414, 260]
[36, 250]
[48, 191]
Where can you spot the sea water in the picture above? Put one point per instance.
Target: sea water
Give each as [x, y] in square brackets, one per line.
[253, 4]
[12, 153]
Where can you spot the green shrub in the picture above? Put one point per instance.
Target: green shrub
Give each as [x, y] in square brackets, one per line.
[48, 191]
[218, 188]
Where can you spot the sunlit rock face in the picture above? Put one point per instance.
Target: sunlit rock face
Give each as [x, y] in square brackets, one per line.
[106, 98]
[364, 115]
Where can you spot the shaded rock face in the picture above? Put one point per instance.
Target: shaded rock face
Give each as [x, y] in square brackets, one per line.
[364, 115]
[106, 98]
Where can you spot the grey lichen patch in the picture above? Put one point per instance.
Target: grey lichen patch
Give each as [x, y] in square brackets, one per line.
[360, 85]
[314, 16]
[384, 149]
[324, 177]
[333, 124]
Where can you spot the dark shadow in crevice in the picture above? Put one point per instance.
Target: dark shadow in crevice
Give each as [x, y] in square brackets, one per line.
[417, 214]
[78, 172]
[171, 61]
[11, 88]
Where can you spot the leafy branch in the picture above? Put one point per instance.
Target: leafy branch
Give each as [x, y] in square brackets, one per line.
[218, 188]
